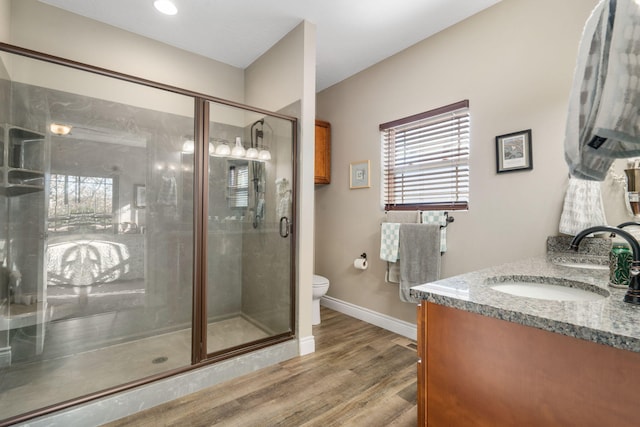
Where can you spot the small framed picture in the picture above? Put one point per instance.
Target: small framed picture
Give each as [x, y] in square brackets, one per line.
[139, 196]
[359, 174]
[513, 152]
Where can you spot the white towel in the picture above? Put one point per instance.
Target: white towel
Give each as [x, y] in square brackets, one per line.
[602, 121]
[440, 218]
[168, 192]
[583, 207]
[283, 198]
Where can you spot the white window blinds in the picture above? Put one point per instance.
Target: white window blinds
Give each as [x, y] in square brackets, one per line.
[425, 160]
[238, 185]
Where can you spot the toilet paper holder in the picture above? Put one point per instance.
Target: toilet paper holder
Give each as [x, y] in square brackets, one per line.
[361, 263]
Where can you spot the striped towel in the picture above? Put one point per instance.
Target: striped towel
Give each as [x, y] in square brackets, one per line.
[440, 218]
[389, 241]
[602, 120]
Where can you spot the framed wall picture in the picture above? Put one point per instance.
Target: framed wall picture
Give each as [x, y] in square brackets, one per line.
[513, 152]
[139, 196]
[359, 176]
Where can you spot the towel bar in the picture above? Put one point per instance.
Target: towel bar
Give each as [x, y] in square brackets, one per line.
[448, 219]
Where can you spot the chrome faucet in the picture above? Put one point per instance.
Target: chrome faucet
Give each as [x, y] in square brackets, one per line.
[633, 293]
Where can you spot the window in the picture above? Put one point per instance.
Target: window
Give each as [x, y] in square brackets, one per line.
[238, 185]
[425, 160]
[80, 203]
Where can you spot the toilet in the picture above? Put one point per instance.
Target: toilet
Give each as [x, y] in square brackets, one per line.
[320, 287]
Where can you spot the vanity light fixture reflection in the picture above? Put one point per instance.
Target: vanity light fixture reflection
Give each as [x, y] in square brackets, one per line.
[264, 155]
[223, 150]
[188, 146]
[238, 150]
[252, 153]
[59, 129]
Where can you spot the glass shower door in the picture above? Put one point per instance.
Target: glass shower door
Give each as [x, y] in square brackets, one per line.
[96, 233]
[105, 233]
[249, 244]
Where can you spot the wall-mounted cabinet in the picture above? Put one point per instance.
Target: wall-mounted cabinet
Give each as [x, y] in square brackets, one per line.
[323, 153]
[21, 161]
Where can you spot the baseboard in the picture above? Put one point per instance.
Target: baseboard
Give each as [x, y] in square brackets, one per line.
[307, 345]
[400, 327]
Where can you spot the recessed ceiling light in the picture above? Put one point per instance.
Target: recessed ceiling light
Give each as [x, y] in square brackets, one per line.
[165, 6]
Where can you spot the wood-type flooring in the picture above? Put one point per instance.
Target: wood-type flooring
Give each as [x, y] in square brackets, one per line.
[360, 375]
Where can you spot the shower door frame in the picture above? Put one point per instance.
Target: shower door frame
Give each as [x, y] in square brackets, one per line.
[199, 355]
[201, 203]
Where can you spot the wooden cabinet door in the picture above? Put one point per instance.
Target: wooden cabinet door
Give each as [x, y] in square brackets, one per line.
[488, 372]
[323, 153]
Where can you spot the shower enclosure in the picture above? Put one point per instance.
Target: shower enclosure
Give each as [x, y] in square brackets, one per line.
[144, 230]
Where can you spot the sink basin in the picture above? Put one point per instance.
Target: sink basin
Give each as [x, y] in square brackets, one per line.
[547, 288]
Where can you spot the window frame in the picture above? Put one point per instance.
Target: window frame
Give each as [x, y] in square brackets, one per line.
[459, 190]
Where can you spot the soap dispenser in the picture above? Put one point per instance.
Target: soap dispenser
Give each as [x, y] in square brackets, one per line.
[619, 263]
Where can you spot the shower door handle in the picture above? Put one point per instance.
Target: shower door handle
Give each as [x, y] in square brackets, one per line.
[284, 227]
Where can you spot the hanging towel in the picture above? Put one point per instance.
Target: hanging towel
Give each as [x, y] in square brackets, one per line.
[389, 241]
[583, 207]
[403, 217]
[602, 121]
[420, 249]
[168, 192]
[284, 205]
[283, 198]
[392, 275]
[260, 210]
[440, 218]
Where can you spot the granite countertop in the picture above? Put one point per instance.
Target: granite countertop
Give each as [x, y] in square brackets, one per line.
[608, 321]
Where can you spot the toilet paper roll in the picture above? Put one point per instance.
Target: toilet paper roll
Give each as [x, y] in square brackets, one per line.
[360, 263]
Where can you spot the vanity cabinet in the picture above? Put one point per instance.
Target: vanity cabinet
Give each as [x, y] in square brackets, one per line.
[21, 161]
[476, 370]
[323, 153]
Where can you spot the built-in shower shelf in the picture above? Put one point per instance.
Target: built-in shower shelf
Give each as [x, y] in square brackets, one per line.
[22, 315]
[17, 190]
[21, 161]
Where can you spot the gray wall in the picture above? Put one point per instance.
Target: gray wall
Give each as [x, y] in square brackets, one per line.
[514, 62]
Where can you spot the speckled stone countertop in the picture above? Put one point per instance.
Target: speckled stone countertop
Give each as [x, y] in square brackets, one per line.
[608, 321]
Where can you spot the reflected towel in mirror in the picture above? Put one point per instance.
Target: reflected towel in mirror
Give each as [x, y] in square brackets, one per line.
[583, 207]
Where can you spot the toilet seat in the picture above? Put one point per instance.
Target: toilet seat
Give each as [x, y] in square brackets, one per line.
[320, 280]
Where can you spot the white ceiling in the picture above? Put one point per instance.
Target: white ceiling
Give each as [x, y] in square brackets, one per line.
[351, 34]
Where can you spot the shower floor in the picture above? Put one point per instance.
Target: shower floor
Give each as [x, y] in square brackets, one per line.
[28, 386]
